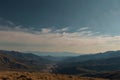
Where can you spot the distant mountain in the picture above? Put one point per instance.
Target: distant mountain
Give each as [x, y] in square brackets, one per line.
[87, 64]
[55, 54]
[97, 56]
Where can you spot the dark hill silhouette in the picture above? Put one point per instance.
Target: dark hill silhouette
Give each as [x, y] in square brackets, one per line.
[17, 60]
[8, 63]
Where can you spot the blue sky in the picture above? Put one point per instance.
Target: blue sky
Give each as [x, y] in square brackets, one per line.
[79, 26]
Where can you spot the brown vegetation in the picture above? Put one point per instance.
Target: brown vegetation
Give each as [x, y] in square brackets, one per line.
[13, 75]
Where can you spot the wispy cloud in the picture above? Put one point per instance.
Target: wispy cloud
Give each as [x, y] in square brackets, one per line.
[62, 29]
[83, 28]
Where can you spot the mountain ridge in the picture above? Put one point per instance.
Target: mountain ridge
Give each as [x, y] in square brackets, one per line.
[83, 64]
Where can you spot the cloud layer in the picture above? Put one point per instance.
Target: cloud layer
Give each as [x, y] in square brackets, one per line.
[59, 40]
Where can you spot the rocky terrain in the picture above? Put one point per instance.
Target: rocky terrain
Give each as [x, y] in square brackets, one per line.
[12, 75]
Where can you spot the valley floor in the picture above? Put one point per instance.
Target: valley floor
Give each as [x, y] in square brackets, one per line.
[13, 75]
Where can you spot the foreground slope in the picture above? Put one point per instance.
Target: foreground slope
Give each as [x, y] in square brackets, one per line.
[41, 76]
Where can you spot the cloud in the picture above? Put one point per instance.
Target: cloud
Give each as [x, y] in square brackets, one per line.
[6, 25]
[83, 28]
[55, 40]
[48, 41]
[62, 30]
[46, 30]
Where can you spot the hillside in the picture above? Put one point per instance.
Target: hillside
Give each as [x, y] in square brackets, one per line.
[112, 75]
[86, 64]
[16, 60]
[41, 76]
[8, 63]
[97, 56]
[102, 65]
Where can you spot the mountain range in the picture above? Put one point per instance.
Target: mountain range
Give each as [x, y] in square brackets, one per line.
[100, 62]
[91, 65]
[54, 54]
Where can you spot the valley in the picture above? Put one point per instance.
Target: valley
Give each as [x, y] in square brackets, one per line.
[100, 66]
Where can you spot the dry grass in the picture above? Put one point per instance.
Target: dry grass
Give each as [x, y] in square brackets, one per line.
[11, 75]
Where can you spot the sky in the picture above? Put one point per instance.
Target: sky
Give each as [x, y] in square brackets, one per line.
[77, 26]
